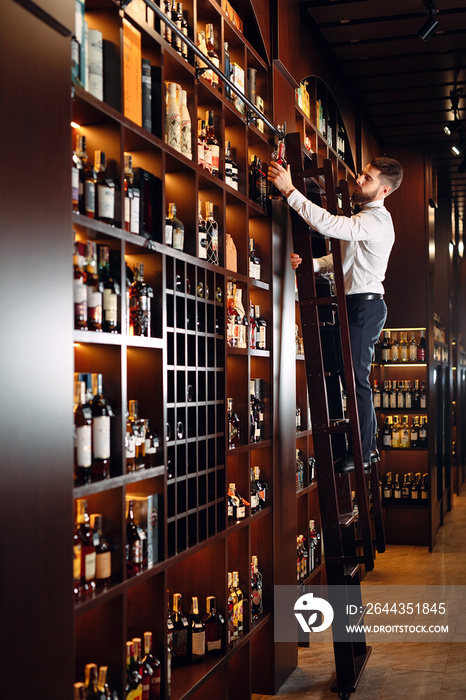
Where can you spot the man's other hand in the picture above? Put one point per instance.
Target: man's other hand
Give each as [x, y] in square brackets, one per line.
[295, 260]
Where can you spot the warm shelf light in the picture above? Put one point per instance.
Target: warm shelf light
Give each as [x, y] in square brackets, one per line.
[75, 125]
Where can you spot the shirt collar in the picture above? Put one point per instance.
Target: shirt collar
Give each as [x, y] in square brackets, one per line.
[377, 203]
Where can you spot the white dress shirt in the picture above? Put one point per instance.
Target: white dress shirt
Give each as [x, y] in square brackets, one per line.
[367, 239]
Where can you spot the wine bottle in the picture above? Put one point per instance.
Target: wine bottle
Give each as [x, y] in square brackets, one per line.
[105, 190]
[214, 628]
[140, 296]
[90, 682]
[412, 349]
[134, 544]
[421, 348]
[376, 394]
[79, 290]
[185, 30]
[88, 554]
[77, 177]
[197, 641]
[386, 347]
[232, 611]
[180, 632]
[111, 292]
[103, 554]
[257, 606]
[278, 156]
[233, 426]
[211, 76]
[177, 18]
[133, 684]
[177, 227]
[395, 349]
[213, 143]
[82, 435]
[101, 417]
[212, 234]
[387, 432]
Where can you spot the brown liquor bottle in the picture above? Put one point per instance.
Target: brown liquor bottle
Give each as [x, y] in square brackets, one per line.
[101, 418]
[103, 554]
[151, 671]
[88, 556]
[140, 295]
[213, 143]
[93, 290]
[105, 190]
[82, 435]
[79, 290]
[212, 54]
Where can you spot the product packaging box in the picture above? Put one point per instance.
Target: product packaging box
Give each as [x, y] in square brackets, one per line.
[146, 516]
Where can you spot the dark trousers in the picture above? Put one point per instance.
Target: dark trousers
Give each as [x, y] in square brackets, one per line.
[366, 320]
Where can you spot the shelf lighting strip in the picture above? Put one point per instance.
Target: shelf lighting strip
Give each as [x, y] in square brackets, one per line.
[160, 14]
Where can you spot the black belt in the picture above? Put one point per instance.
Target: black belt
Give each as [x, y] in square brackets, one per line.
[364, 296]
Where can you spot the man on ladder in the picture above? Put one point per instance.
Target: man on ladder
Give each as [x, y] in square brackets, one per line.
[367, 239]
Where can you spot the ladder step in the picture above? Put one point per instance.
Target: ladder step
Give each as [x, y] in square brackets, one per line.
[347, 518]
[358, 618]
[335, 427]
[319, 301]
[351, 570]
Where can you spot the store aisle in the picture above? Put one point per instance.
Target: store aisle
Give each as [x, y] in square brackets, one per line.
[432, 671]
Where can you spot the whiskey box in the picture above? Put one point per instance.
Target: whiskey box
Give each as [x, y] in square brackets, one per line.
[146, 516]
[132, 75]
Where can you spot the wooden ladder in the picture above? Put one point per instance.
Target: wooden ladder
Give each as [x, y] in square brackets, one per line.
[326, 339]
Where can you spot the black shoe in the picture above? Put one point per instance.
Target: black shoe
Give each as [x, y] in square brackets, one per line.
[375, 456]
[345, 465]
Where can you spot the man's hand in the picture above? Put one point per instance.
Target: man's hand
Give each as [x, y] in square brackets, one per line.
[295, 260]
[281, 178]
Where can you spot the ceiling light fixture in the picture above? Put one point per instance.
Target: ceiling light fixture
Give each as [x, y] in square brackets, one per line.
[452, 126]
[457, 148]
[431, 25]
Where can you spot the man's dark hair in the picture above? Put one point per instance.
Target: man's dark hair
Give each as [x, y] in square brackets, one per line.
[392, 172]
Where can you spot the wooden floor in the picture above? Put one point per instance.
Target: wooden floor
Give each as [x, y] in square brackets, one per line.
[411, 670]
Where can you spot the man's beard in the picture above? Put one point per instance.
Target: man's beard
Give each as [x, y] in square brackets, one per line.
[360, 197]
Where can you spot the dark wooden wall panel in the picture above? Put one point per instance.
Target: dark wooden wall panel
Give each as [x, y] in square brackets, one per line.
[261, 13]
[60, 12]
[36, 358]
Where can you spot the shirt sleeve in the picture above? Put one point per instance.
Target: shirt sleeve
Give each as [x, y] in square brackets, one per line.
[324, 265]
[364, 226]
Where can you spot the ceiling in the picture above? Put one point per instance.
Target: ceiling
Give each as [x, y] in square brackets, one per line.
[403, 81]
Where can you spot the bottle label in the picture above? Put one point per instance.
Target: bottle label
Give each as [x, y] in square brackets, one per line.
[89, 197]
[387, 440]
[83, 446]
[77, 562]
[200, 152]
[137, 552]
[254, 501]
[79, 292]
[377, 400]
[240, 512]
[422, 434]
[408, 400]
[101, 437]
[103, 569]
[186, 137]
[385, 400]
[423, 401]
[214, 644]
[130, 446]
[89, 566]
[414, 494]
[198, 643]
[386, 355]
[208, 158]
[262, 338]
[135, 213]
[202, 245]
[106, 198]
[178, 238]
[128, 202]
[174, 130]
[180, 642]
[75, 184]
[168, 234]
[215, 157]
[110, 305]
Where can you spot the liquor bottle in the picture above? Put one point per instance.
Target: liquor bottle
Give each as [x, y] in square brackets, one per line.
[212, 234]
[228, 165]
[261, 330]
[136, 426]
[211, 76]
[202, 46]
[397, 489]
[252, 327]
[177, 226]
[386, 391]
[88, 554]
[101, 417]
[387, 432]
[232, 328]
[254, 495]
[416, 488]
[82, 435]
[133, 684]
[77, 177]
[421, 348]
[240, 602]
[177, 18]
[103, 554]
[134, 544]
[299, 558]
[299, 471]
[416, 401]
[387, 488]
[406, 488]
[400, 396]
[257, 604]
[242, 322]
[412, 349]
[395, 349]
[257, 182]
[386, 347]
[102, 684]
[77, 547]
[238, 503]
[423, 397]
[105, 190]
[180, 632]
[227, 68]
[396, 432]
[111, 292]
[278, 156]
[314, 536]
[167, 8]
[425, 487]
[422, 442]
[202, 146]
[151, 443]
[255, 412]
[213, 143]
[405, 436]
[232, 611]
[140, 295]
[197, 641]
[394, 395]
[414, 433]
[132, 198]
[254, 261]
[185, 126]
[202, 234]
[298, 419]
[88, 195]
[261, 487]
[173, 117]
[376, 394]
[404, 347]
[233, 426]
[151, 671]
[214, 628]
[408, 395]
[185, 30]
[90, 682]
[79, 290]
